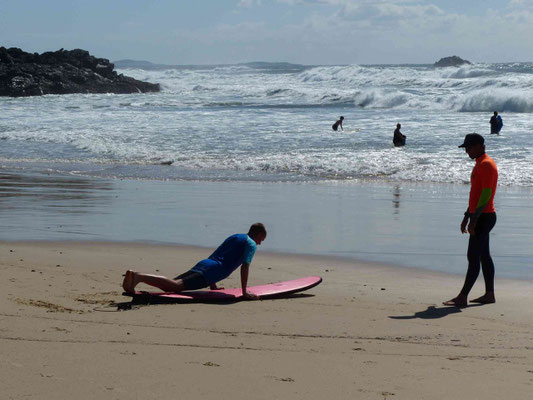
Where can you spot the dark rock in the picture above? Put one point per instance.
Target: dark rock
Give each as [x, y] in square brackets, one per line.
[62, 72]
[452, 61]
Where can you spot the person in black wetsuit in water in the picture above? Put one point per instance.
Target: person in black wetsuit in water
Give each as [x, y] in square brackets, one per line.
[399, 138]
[496, 123]
[336, 125]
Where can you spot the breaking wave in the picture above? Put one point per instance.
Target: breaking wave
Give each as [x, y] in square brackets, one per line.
[472, 88]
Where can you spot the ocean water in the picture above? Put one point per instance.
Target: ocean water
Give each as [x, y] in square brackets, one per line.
[254, 142]
[268, 122]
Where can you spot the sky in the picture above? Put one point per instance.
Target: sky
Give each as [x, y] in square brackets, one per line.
[297, 31]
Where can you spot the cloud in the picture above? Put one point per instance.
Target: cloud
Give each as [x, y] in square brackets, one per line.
[387, 11]
[294, 2]
[520, 3]
[347, 2]
[386, 31]
[249, 3]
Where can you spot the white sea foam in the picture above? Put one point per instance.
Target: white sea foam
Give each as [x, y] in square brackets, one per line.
[510, 100]
[466, 72]
[237, 122]
[469, 88]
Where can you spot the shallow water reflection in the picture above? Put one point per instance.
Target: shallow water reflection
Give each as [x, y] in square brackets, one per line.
[38, 206]
[353, 221]
[62, 194]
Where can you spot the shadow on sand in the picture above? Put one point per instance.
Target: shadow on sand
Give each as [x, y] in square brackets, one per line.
[433, 312]
[147, 300]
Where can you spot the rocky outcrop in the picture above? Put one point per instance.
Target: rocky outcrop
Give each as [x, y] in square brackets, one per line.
[62, 72]
[452, 61]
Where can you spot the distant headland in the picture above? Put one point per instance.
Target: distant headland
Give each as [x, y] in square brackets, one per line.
[62, 72]
[452, 61]
[272, 66]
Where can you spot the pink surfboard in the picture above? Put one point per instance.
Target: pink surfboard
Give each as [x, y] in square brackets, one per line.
[264, 291]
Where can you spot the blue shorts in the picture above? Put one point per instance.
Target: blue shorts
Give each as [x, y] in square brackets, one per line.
[192, 280]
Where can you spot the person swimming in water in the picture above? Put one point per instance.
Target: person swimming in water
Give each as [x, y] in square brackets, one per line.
[338, 123]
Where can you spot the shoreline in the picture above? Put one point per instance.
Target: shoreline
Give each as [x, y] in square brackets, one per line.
[366, 332]
[414, 225]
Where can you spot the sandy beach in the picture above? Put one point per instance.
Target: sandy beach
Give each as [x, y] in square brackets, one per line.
[368, 331]
[140, 135]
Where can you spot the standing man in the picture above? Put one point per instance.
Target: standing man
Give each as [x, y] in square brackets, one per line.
[496, 123]
[482, 217]
[236, 251]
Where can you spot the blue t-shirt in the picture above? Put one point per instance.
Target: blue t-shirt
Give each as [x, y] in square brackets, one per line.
[499, 122]
[229, 256]
[249, 250]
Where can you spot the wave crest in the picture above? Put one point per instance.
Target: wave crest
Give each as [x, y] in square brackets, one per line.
[501, 100]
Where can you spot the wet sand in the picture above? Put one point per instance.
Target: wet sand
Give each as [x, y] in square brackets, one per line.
[369, 331]
[412, 225]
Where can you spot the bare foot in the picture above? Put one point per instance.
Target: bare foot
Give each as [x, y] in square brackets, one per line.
[487, 298]
[459, 301]
[128, 284]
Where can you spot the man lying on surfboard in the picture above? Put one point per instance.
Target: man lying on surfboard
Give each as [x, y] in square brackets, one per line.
[237, 250]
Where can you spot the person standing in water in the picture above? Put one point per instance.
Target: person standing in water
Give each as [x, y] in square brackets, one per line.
[398, 138]
[338, 123]
[479, 219]
[496, 123]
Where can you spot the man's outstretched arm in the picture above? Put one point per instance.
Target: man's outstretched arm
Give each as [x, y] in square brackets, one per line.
[245, 268]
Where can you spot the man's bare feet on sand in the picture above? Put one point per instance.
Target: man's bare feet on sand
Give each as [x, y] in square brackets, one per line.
[459, 301]
[129, 282]
[487, 298]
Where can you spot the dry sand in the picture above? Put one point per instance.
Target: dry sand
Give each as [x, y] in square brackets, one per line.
[367, 332]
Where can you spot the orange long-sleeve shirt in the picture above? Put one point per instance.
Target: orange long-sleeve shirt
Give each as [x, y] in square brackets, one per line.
[484, 176]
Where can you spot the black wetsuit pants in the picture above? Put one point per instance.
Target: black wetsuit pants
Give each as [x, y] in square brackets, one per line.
[479, 253]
